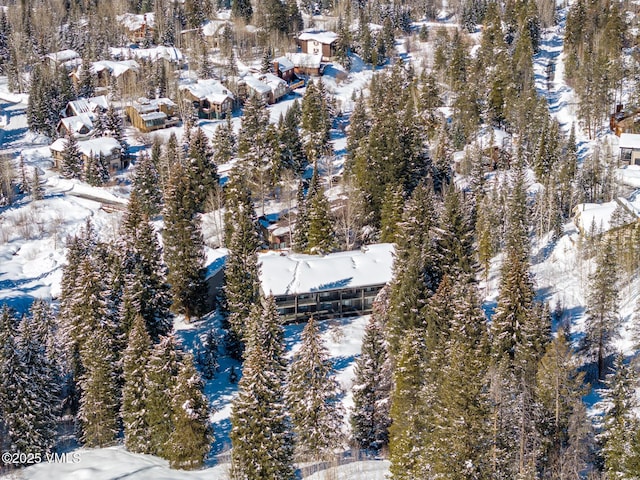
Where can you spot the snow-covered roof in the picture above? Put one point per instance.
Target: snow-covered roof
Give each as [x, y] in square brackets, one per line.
[284, 64]
[115, 68]
[153, 116]
[272, 80]
[134, 22]
[172, 54]
[323, 37]
[298, 273]
[210, 89]
[630, 140]
[75, 123]
[305, 60]
[88, 105]
[213, 27]
[63, 56]
[146, 105]
[95, 146]
[256, 85]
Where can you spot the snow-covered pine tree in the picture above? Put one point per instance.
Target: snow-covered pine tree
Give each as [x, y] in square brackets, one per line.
[114, 127]
[260, 428]
[135, 363]
[207, 359]
[241, 290]
[164, 366]
[320, 235]
[71, 165]
[223, 142]
[313, 398]
[370, 419]
[37, 191]
[146, 184]
[391, 213]
[293, 156]
[99, 395]
[38, 410]
[190, 437]
[201, 170]
[183, 246]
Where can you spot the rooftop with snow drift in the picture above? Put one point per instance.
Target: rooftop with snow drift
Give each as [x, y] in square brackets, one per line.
[326, 38]
[299, 273]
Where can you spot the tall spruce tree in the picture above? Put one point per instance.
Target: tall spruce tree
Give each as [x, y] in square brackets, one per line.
[371, 390]
[313, 398]
[183, 246]
[71, 164]
[602, 307]
[135, 363]
[146, 184]
[260, 428]
[201, 170]
[190, 437]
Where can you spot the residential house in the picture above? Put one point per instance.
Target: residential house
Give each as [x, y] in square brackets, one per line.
[284, 68]
[630, 148]
[625, 120]
[124, 71]
[80, 126]
[70, 59]
[172, 55]
[108, 147]
[306, 64]
[267, 86]
[212, 31]
[138, 27]
[277, 231]
[335, 285]
[319, 43]
[148, 115]
[209, 97]
[91, 106]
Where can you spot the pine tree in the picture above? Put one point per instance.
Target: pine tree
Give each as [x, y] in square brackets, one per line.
[316, 121]
[602, 306]
[98, 412]
[71, 161]
[183, 246]
[320, 234]
[202, 172]
[312, 396]
[190, 437]
[224, 141]
[164, 365]
[135, 361]
[114, 127]
[391, 213]
[37, 191]
[241, 9]
[146, 184]
[207, 359]
[260, 428]
[371, 390]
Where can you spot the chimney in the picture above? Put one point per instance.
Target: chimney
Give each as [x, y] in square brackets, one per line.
[276, 68]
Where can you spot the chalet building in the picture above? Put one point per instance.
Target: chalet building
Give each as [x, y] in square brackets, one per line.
[268, 86]
[91, 106]
[630, 148]
[124, 71]
[209, 97]
[212, 31]
[108, 147]
[138, 26]
[149, 115]
[171, 55]
[80, 126]
[336, 285]
[283, 68]
[306, 64]
[70, 59]
[277, 231]
[319, 43]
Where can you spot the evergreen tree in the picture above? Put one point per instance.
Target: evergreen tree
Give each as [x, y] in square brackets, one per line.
[146, 184]
[242, 9]
[114, 128]
[164, 365]
[312, 396]
[190, 437]
[183, 246]
[260, 428]
[71, 165]
[224, 141]
[135, 362]
[371, 390]
[320, 235]
[316, 121]
[202, 172]
[98, 412]
[602, 307]
[391, 213]
[37, 191]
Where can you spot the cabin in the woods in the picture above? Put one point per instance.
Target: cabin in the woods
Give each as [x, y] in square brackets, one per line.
[319, 43]
[335, 285]
[209, 97]
[267, 86]
[70, 59]
[630, 148]
[148, 115]
[306, 64]
[91, 106]
[284, 68]
[108, 147]
[171, 55]
[107, 71]
[138, 27]
[80, 126]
